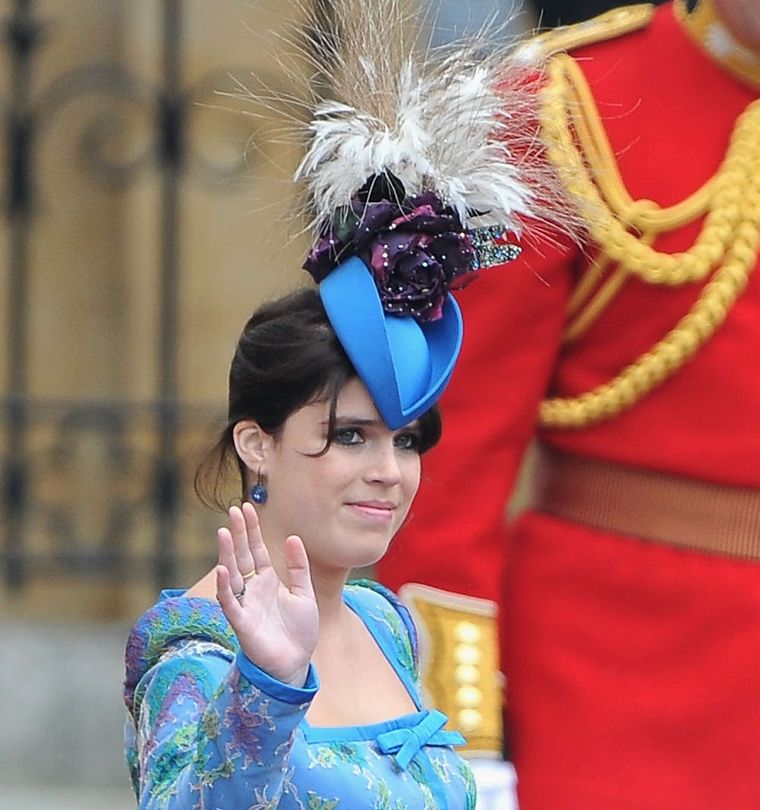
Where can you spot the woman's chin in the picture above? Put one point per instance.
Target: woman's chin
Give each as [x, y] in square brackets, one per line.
[366, 556]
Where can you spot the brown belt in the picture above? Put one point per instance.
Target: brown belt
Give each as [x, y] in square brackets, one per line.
[713, 518]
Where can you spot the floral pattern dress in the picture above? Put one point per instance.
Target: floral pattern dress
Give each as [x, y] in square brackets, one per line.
[209, 729]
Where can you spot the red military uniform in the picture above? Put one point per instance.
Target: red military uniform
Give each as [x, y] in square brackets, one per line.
[632, 662]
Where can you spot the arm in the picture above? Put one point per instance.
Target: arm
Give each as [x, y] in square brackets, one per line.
[214, 733]
[209, 730]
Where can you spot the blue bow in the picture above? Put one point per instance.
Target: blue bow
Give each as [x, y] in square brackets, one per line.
[406, 742]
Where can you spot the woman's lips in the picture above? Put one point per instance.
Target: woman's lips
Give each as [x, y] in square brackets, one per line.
[375, 510]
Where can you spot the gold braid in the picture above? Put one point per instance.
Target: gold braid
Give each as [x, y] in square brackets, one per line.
[726, 247]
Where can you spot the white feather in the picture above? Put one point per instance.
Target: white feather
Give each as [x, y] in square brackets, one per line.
[446, 139]
[454, 122]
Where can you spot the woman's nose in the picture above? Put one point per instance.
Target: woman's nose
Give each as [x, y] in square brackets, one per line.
[384, 465]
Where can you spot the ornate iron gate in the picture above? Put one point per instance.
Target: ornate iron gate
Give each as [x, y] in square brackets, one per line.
[99, 486]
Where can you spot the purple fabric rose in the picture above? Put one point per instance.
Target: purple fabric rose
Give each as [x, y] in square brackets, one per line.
[416, 259]
[325, 256]
[416, 249]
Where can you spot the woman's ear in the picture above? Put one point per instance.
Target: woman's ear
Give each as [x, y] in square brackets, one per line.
[252, 444]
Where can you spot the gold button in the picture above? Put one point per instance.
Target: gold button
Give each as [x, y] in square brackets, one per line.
[467, 654]
[467, 632]
[466, 673]
[468, 697]
[469, 719]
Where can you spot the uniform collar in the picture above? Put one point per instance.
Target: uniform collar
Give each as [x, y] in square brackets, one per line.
[705, 26]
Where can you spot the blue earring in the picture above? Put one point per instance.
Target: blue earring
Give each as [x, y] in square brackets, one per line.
[259, 492]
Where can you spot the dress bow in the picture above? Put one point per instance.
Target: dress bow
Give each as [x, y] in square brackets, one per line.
[405, 743]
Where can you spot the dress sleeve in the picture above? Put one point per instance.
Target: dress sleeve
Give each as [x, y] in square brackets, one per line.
[210, 728]
[514, 316]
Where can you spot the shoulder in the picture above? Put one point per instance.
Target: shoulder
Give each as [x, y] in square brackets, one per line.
[382, 607]
[606, 27]
[173, 624]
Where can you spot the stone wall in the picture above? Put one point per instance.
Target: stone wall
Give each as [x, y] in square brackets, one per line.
[61, 707]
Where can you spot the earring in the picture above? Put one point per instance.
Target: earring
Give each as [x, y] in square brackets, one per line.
[259, 492]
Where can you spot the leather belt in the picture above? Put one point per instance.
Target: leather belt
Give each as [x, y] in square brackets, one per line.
[679, 511]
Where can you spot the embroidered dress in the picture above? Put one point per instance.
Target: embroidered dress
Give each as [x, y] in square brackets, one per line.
[209, 729]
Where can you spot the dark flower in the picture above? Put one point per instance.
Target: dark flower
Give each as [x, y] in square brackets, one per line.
[416, 248]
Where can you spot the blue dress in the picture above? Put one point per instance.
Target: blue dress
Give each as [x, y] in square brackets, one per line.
[209, 729]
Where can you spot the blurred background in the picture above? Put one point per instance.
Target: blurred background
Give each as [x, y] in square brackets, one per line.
[143, 216]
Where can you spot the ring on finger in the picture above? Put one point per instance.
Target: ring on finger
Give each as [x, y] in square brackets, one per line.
[239, 596]
[250, 574]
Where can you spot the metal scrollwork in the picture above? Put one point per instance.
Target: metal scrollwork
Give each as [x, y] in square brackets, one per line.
[130, 461]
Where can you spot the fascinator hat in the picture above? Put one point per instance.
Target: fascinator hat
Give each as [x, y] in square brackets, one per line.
[405, 364]
[417, 170]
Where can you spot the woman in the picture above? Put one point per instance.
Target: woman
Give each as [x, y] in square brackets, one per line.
[226, 706]
[331, 404]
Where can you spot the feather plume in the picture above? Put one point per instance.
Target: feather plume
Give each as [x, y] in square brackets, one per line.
[459, 121]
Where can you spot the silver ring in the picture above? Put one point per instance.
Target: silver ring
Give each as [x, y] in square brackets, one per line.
[240, 595]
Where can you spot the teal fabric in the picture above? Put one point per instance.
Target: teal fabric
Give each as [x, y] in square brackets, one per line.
[209, 729]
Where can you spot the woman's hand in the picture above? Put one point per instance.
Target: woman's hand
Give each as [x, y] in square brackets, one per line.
[276, 622]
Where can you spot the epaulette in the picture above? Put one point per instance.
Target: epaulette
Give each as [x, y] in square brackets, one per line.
[607, 26]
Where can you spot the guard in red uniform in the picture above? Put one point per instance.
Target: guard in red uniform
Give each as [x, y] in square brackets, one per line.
[630, 603]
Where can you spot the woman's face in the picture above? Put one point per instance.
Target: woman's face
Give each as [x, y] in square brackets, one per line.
[348, 503]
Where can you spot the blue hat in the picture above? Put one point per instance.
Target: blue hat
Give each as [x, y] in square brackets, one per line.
[405, 364]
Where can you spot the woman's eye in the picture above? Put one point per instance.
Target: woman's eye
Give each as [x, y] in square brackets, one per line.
[347, 436]
[407, 441]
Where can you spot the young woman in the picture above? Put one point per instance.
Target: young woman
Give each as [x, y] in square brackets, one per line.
[272, 683]
[294, 689]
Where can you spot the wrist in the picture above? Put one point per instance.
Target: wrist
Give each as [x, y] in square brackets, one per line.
[298, 679]
[274, 687]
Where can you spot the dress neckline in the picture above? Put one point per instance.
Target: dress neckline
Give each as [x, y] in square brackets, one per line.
[369, 731]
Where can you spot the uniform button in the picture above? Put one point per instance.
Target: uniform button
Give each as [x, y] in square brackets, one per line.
[466, 673]
[469, 719]
[467, 654]
[467, 632]
[469, 697]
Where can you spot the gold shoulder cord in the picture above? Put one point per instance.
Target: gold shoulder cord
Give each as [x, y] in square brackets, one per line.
[606, 26]
[624, 229]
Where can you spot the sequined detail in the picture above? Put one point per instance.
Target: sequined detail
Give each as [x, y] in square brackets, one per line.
[489, 247]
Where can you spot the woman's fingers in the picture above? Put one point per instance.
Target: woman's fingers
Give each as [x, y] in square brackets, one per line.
[225, 594]
[260, 556]
[241, 542]
[299, 580]
[227, 553]
[228, 559]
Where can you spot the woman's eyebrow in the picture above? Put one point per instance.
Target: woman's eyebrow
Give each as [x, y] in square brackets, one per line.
[354, 420]
[363, 421]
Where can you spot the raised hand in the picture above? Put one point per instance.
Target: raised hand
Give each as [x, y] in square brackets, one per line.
[276, 622]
